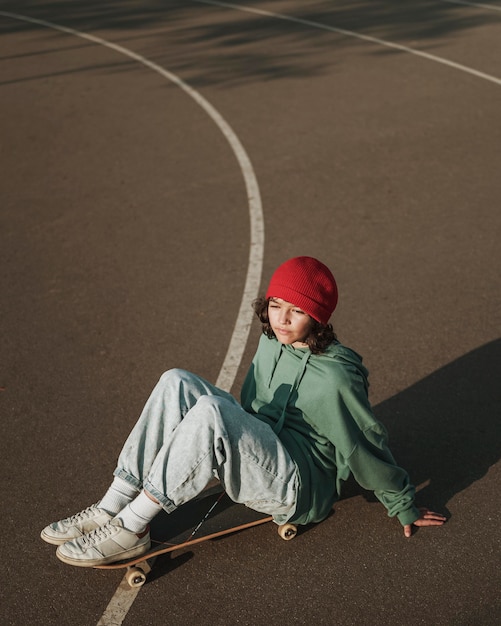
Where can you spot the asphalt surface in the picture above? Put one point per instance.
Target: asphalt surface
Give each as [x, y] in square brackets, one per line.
[124, 246]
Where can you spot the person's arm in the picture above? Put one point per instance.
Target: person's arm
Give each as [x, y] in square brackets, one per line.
[369, 458]
[374, 468]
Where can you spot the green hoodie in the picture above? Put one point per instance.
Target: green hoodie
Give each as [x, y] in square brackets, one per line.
[318, 405]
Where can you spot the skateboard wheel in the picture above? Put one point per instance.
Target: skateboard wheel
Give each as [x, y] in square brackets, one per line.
[135, 577]
[287, 531]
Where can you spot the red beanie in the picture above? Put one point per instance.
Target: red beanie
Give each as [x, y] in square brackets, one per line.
[306, 283]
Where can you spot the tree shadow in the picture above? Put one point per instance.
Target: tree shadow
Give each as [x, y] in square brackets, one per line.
[219, 45]
[446, 429]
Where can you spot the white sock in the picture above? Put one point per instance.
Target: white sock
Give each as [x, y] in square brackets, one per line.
[118, 496]
[139, 513]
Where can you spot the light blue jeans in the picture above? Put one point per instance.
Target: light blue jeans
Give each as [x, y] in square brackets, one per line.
[190, 432]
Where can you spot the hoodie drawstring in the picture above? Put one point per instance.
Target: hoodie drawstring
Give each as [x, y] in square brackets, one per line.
[302, 367]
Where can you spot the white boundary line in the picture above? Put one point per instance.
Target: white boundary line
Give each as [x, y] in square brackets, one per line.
[351, 33]
[124, 596]
[476, 5]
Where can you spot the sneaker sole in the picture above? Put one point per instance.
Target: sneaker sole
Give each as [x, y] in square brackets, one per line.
[56, 541]
[123, 556]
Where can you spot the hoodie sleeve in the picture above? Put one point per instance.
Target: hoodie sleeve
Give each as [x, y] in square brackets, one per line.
[361, 444]
[374, 468]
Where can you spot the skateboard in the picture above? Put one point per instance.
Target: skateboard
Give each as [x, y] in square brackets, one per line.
[222, 518]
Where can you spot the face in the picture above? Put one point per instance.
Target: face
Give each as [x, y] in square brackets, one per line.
[290, 324]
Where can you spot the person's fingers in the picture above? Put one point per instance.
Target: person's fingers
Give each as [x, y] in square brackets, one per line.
[429, 522]
[428, 518]
[427, 514]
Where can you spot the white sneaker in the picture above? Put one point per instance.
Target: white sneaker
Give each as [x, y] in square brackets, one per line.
[76, 525]
[109, 543]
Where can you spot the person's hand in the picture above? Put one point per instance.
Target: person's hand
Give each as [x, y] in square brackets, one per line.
[426, 518]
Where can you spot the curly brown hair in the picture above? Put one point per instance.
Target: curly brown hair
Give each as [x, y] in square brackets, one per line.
[321, 336]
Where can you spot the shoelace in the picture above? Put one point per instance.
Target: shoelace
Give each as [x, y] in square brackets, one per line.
[98, 534]
[79, 517]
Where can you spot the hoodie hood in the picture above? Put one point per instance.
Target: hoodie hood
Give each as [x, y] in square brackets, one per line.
[342, 354]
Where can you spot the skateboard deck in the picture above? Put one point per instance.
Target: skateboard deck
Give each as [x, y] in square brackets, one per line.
[194, 523]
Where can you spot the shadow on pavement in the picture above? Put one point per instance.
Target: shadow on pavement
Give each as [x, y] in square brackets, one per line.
[225, 46]
[445, 430]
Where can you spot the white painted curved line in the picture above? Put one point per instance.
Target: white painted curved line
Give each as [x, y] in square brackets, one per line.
[124, 596]
[476, 5]
[242, 326]
[356, 35]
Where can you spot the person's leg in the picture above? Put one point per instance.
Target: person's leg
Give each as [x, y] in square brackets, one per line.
[215, 436]
[175, 393]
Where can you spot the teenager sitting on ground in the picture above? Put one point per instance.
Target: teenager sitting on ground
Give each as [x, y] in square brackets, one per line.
[303, 426]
